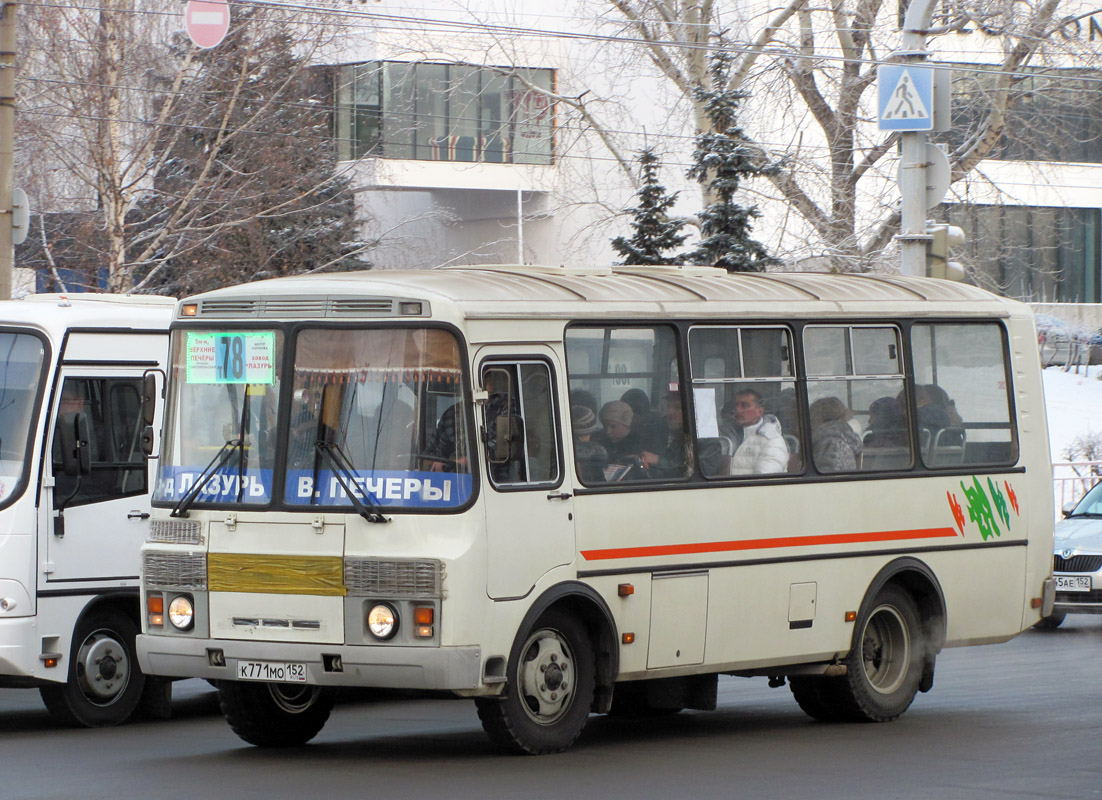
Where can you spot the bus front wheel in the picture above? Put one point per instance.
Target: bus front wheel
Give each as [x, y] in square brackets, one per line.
[105, 683]
[549, 690]
[274, 714]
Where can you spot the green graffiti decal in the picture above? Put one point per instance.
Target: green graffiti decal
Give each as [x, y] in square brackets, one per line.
[979, 509]
[999, 501]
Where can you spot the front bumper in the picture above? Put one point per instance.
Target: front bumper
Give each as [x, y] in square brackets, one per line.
[444, 668]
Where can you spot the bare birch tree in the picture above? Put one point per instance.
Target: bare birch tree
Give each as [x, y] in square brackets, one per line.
[814, 65]
[116, 97]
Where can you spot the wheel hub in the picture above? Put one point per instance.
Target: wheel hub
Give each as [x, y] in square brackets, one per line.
[102, 667]
[546, 678]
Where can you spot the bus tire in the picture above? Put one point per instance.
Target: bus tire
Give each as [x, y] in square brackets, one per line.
[1052, 621]
[105, 683]
[884, 668]
[818, 697]
[274, 714]
[549, 690]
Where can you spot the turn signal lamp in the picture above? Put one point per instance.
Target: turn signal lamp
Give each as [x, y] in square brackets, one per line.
[189, 310]
[423, 617]
[155, 604]
[628, 638]
[851, 616]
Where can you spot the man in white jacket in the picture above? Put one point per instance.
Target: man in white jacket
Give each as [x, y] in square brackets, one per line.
[762, 449]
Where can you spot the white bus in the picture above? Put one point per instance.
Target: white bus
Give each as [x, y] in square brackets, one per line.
[395, 479]
[74, 499]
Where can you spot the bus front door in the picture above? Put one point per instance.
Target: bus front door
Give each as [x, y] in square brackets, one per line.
[528, 494]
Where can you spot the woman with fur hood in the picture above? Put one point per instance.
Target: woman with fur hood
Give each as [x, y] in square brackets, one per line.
[835, 445]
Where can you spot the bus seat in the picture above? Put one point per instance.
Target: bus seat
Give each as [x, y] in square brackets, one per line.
[947, 448]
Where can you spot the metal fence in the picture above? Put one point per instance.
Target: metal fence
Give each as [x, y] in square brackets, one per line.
[1073, 479]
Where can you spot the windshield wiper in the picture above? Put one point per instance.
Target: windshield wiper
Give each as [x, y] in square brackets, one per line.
[220, 458]
[345, 475]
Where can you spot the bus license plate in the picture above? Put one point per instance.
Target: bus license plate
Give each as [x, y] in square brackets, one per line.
[271, 671]
[1073, 583]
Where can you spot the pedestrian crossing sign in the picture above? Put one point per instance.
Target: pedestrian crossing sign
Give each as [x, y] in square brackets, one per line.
[905, 97]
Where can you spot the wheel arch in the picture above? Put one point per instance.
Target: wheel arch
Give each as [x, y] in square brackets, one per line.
[589, 608]
[919, 581]
[126, 602]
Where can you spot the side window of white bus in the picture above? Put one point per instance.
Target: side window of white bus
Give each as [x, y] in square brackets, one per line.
[744, 393]
[962, 391]
[858, 409]
[101, 416]
[519, 424]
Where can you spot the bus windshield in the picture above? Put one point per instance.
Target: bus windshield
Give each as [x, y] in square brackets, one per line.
[21, 357]
[220, 434]
[374, 413]
[377, 411]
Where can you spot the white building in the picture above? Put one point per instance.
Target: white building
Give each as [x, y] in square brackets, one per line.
[468, 147]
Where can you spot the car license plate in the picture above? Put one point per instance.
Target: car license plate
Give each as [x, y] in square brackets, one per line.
[1073, 583]
[271, 671]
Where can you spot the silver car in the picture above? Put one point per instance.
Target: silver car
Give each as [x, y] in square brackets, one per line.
[1077, 561]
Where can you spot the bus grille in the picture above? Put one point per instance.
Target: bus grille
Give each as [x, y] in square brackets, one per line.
[394, 578]
[1077, 564]
[175, 571]
[174, 531]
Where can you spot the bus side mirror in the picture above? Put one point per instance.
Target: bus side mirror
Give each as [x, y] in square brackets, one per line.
[507, 439]
[76, 453]
[150, 396]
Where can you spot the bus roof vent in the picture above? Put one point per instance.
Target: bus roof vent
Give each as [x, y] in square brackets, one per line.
[362, 306]
[228, 308]
[294, 307]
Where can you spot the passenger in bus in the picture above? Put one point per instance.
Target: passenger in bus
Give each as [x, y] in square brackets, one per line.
[760, 448]
[648, 428]
[673, 459]
[940, 398]
[887, 424]
[931, 414]
[621, 445]
[590, 456]
[836, 447]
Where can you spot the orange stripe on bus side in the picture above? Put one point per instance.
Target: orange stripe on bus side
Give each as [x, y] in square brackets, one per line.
[765, 544]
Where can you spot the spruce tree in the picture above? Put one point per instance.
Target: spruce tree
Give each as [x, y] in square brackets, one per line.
[654, 232]
[721, 159]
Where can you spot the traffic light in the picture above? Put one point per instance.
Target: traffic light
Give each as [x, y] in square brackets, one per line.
[938, 264]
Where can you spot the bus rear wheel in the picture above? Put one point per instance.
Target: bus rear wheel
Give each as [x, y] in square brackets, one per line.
[105, 683]
[274, 714]
[883, 669]
[549, 691]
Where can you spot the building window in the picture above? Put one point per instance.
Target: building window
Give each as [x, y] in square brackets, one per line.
[1051, 117]
[444, 112]
[1033, 253]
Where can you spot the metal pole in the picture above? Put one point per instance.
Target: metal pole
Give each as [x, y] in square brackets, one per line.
[912, 176]
[7, 145]
[520, 227]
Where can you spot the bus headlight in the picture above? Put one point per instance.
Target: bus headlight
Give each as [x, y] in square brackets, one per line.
[382, 621]
[181, 612]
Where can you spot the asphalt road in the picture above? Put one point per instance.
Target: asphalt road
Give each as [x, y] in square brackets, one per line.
[1016, 720]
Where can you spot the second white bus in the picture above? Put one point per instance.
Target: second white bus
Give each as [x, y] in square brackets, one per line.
[573, 491]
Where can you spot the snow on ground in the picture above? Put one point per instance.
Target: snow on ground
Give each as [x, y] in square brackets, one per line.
[1074, 406]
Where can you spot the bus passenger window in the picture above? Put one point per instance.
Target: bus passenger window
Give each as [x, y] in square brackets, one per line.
[962, 395]
[626, 377]
[744, 393]
[855, 378]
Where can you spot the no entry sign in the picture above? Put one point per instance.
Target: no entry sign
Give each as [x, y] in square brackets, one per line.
[207, 21]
